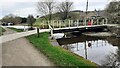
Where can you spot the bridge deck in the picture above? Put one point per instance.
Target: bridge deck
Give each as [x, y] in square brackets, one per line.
[77, 27]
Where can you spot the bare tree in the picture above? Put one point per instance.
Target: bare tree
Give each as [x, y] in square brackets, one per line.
[64, 8]
[45, 8]
[30, 21]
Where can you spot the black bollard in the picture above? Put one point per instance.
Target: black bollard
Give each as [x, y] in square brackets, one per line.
[37, 32]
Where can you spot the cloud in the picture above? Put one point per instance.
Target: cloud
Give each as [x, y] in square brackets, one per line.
[25, 12]
[18, 8]
[25, 7]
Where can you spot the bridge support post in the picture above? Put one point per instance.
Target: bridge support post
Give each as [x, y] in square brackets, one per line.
[59, 23]
[97, 22]
[103, 21]
[69, 23]
[77, 23]
[85, 22]
[91, 21]
[106, 21]
[51, 31]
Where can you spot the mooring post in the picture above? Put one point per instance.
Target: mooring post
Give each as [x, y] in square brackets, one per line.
[86, 49]
[37, 32]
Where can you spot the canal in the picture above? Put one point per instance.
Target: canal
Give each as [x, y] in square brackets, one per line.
[104, 51]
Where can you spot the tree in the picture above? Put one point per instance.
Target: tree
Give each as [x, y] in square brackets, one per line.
[12, 19]
[113, 7]
[30, 21]
[45, 8]
[24, 20]
[64, 8]
[113, 10]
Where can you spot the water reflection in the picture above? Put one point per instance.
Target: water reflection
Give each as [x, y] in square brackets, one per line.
[113, 59]
[103, 51]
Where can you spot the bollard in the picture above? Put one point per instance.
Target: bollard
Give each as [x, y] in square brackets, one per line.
[37, 32]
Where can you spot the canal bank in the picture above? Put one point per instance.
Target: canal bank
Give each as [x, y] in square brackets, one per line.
[57, 54]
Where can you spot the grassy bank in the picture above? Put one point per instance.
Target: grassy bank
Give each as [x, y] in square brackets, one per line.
[1, 31]
[56, 54]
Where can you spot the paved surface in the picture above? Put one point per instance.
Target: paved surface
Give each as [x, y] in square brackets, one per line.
[20, 52]
[10, 37]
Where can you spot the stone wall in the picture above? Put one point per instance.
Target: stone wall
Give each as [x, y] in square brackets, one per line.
[115, 30]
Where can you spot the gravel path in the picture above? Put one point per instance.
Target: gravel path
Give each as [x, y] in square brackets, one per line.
[20, 52]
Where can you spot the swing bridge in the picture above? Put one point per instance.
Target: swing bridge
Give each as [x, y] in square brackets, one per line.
[59, 26]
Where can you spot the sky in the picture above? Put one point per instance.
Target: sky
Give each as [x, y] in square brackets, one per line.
[25, 7]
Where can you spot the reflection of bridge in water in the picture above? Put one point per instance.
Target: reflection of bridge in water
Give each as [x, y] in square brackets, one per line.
[113, 40]
[78, 39]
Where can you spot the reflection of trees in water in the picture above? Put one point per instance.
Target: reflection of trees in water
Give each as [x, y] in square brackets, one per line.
[112, 60]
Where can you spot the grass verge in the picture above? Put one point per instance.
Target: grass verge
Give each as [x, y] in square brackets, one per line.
[17, 30]
[57, 54]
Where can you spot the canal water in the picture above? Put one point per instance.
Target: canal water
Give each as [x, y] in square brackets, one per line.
[104, 51]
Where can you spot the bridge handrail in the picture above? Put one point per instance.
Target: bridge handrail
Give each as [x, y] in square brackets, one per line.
[50, 27]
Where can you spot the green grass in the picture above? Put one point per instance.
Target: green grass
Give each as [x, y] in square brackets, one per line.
[57, 54]
[2, 30]
[17, 30]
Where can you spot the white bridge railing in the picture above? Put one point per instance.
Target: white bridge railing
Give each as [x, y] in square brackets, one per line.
[60, 24]
[72, 23]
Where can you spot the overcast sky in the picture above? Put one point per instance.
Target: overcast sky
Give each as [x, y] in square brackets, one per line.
[25, 7]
